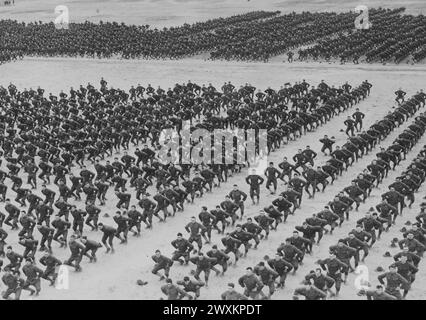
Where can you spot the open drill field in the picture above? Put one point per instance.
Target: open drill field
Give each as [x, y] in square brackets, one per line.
[114, 276]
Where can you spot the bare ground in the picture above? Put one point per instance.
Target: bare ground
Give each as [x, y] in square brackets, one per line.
[160, 13]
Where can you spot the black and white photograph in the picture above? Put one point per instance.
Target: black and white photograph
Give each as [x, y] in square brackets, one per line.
[210, 155]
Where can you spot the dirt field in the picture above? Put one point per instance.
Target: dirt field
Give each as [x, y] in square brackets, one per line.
[114, 276]
[59, 73]
[160, 13]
